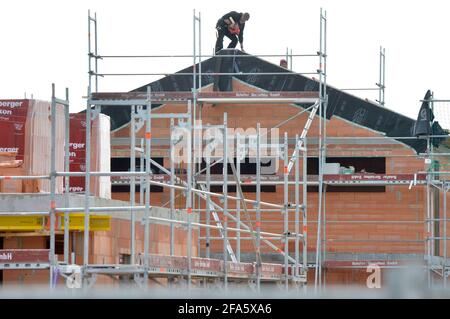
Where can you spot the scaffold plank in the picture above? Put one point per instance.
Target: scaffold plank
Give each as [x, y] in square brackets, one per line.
[180, 96]
[363, 264]
[341, 179]
[338, 179]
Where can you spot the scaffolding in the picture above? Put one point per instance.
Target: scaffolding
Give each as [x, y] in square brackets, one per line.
[437, 181]
[196, 187]
[380, 85]
[293, 270]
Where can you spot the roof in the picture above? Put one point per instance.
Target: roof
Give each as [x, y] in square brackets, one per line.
[359, 111]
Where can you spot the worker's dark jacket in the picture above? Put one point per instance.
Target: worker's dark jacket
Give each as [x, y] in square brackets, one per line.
[237, 18]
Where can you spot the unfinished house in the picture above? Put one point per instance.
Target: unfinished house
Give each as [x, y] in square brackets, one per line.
[371, 214]
[234, 170]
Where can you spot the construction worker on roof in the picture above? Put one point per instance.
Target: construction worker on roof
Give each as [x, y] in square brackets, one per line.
[232, 26]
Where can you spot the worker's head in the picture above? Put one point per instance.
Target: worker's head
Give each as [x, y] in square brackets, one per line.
[245, 17]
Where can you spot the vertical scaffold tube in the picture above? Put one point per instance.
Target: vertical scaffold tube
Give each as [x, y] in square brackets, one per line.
[133, 183]
[66, 178]
[172, 182]
[285, 212]
[258, 207]
[148, 140]
[238, 202]
[189, 195]
[297, 206]
[53, 262]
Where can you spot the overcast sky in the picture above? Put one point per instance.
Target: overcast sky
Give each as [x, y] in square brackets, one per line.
[46, 41]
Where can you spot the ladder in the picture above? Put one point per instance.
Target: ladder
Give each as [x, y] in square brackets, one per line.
[304, 133]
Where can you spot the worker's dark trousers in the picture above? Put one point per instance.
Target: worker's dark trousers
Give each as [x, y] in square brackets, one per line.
[221, 32]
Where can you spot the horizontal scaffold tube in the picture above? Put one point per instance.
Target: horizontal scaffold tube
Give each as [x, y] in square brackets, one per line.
[216, 194]
[117, 209]
[206, 73]
[205, 56]
[164, 185]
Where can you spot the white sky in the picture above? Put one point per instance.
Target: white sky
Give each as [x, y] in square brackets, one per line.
[46, 41]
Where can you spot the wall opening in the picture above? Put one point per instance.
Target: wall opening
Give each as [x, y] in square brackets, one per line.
[366, 165]
[436, 201]
[248, 167]
[124, 259]
[1, 271]
[123, 164]
[59, 244]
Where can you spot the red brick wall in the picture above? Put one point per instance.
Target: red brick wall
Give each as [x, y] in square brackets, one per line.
[388, 222]
[28, 277]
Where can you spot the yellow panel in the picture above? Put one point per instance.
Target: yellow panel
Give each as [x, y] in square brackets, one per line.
[21, 222]
[36, 222]
[96, 222]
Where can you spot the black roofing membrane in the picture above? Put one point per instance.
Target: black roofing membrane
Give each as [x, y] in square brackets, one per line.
[342, 104]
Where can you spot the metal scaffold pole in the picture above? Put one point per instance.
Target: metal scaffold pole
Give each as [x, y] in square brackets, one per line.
[319, 212]
[53, 175]
[444, 270]
[324, 146]
[324, 230]
[132, 183]
[194, 185]
[290, 60]
[193, 181]
[194, 100]
[305, 208]
[287, 57]
[199, 19]
[96, 52]
[194, 56]
[225, 198]
[142, 170]
[428, 218]
[238, 202]
[87, 187]
[195, 88]
[189, 195]
[297, 207]
[172, 182]
[89, 50]
[148, 140]
[382, 78]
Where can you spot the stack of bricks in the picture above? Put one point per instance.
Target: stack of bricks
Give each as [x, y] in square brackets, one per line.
[25, 144]
[9, 166]
[387, 222]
